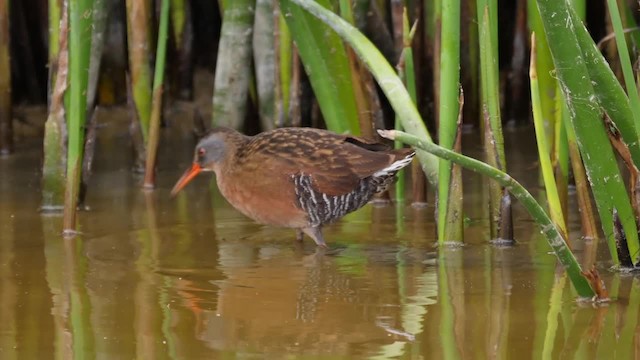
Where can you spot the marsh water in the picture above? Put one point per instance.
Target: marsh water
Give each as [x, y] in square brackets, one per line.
[155, 277]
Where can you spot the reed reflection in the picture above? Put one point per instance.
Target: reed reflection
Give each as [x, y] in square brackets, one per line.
[274, 297]
[8, 286]
[56, 275]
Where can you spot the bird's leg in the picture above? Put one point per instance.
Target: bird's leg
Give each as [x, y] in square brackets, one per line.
[316, 234]
[299, 235]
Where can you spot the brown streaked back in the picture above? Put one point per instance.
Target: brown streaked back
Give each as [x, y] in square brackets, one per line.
[336, 163]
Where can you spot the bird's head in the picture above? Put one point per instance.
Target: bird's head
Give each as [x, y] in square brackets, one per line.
[210, 151]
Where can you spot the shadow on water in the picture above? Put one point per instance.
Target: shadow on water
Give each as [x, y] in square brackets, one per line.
[152, 277]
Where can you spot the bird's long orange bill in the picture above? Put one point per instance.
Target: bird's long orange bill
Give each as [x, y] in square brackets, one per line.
[186, 177]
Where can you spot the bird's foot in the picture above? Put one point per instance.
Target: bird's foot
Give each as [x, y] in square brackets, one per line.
[324, 250]
[316, 234]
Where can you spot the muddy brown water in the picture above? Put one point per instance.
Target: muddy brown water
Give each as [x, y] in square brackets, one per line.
[151, 277]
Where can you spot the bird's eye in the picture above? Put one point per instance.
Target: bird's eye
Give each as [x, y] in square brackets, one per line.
[201, 152]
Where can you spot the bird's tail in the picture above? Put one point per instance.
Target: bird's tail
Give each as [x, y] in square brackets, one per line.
[403, 158]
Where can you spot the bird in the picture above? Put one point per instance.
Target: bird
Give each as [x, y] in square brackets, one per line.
[296, 177]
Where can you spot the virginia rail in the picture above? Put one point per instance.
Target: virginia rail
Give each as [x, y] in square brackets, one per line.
[300, 178]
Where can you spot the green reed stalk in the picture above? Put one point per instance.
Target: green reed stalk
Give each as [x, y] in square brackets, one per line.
[327, 65]
[400, 185]
[450, 219]
[436, 32]
[609, 92]
[233, 65]
[630, 26]
[360, 80]
[98, 28]
[544, 67]
[54, 7]
[156, 111]
[580, 7]
[182, 30]
[616, 105]
[549, 229]
[560, 156]
[625, 61]
[284, 50]
[406, 72]
[588, 86]
[367, 95]
[294, 112]
[6, 123]
[494, 140]
[555, 207]
[547, 83]
[493, 16]
[264, 60]
[80, 21]
[100, 13]
[178, 20]
[385, 76]
[138, 17]
[364, 88]
[583, 192]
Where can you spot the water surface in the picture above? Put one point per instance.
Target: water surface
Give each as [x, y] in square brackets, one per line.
[151, 277]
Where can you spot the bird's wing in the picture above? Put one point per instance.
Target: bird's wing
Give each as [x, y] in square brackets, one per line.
[336, 163]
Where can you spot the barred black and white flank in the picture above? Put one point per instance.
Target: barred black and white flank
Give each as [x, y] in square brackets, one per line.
[323, 209]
